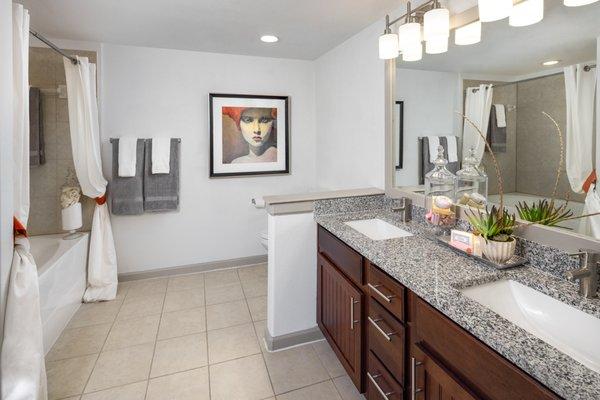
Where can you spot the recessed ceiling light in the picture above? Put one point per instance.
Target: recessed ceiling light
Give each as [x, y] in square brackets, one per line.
[550, 63]
[269, 38]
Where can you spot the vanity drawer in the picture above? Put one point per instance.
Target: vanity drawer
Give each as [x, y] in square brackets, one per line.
[386, 291]
[341, 255]
[386, 339]
[381, 385]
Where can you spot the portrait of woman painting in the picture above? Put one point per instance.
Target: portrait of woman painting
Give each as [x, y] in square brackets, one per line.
[249, 135]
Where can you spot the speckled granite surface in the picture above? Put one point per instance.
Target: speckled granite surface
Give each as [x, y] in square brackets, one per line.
[436, 274]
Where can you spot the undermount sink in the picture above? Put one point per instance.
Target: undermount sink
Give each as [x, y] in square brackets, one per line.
[566, 328]
[377, 229]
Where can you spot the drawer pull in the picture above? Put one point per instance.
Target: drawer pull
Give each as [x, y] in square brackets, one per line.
[413, 377]
[386, 335]
[352, 320]
[383, 296]
[379, 389]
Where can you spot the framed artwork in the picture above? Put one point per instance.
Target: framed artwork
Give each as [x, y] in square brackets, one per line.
[249, 134]
[400, 119]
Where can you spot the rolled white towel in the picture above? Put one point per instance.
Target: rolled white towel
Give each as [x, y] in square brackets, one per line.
[127, 156]
[161, 155]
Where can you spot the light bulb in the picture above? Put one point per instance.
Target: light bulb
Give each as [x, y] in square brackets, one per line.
[414, 53]
[527, 12]
[409, 35]
[436, 24]
[468, 34]
[493, 10]
[577, 3]
[388, 46]
[436, 45]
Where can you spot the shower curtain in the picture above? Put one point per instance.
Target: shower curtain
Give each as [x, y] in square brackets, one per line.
[478, 105]
[85, 142]
[22, 359]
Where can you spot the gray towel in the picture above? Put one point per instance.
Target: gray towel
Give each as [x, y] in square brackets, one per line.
[425, 165]
[161, 191]
[126, 193]
[496, 137]
[37, 154]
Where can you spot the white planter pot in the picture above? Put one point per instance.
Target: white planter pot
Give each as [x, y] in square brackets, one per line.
[499, 252]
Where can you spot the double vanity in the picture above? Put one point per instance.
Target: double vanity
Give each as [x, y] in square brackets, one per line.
[411, 319]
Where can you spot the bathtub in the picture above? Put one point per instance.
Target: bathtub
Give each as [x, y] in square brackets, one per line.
[62, 278]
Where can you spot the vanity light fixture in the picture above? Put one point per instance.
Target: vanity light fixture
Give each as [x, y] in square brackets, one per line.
[436, 45]
[436, 30]
[550, 63]
[527, 12]
[577, 3]
[414, 53]
[388, 46]
[409, 36]
[494, 10]
[468, 34]
[269, 38]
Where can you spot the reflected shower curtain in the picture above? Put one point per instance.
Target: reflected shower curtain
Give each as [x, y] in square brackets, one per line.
[478, 105]
[85, 142]
[22, 359]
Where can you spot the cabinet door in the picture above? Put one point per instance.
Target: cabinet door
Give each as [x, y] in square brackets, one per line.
[339, 314]
[430, 380]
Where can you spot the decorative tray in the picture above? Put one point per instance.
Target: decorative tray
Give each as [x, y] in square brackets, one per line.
[514, 261]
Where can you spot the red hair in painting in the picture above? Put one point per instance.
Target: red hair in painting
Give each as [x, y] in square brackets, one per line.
[235, 113]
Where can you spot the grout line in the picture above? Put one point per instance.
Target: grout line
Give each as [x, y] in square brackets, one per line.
[206, 333]
[156, 341]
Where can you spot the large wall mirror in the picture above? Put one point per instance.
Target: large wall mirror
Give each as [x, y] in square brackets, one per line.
[504, 83]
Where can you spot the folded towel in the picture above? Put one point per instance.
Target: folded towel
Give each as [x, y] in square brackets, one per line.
[452, 149]
[500, 115]
[161, 155]
[161, 191]
[127, 193]
[496, 136]
[37, 154]
[127, 156]
[424, 150]
[434, 143]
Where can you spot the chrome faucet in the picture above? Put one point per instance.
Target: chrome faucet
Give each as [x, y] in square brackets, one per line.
[587, 273]
[404, 209]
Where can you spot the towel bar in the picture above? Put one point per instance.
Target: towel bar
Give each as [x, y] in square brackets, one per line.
[113, 139]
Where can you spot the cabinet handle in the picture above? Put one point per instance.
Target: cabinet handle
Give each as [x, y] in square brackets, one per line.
[380, 293]
[385, 334]
[413, 378]
[352, 320]
[379, 389]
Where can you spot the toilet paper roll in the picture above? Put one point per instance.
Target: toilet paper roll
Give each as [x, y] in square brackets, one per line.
[71, 217]
[258, 202]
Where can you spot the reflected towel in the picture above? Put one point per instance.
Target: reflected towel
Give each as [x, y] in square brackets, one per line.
[425, 166]
[37, 154]
[496, 136]
[500, 115]
[451, 149]
[127, 156]
[161, 191]
[161, 155]
[126, 193]
[434, 143]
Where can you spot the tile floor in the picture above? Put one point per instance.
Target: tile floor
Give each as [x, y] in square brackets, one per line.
[197, 336]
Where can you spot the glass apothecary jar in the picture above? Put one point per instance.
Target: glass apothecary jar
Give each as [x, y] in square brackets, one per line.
[471, 183]
[440, 193]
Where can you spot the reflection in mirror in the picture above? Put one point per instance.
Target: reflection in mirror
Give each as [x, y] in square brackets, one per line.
[503, 84]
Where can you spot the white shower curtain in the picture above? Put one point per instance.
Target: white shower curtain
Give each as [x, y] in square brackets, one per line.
[22, 359]
[85, 141]
[580, 87]
[478, 105]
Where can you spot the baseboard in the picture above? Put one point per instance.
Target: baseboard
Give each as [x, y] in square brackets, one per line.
[292, 339]
[193, 268]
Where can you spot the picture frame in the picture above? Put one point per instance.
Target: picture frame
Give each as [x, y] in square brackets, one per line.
[249, 135]
[400, 154]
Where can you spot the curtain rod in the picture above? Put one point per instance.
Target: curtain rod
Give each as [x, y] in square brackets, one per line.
[53, 46]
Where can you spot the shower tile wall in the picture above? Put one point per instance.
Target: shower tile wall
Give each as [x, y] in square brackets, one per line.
[46, 71]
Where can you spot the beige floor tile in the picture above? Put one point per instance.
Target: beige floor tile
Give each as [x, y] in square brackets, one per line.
[255, 287]
[68, 377]
[230, 343]
[260, 328]
[184, 299]
[133, 391]
[220, 278]
[258, 308]
[330, 361]
[346, 388]
[147, 287]
[224, 294]
[120, 367]
[188, 385]
[132, 332]
[95, 313]
[186, 282]
[320, 391]
[179, 354]
[242, 379]
[227, 314]
[180, 323]
[295, 368]
[141, 306]
[122, 289]
[79, 342]
[253, 272]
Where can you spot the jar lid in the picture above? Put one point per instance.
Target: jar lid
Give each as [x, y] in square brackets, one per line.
[471, 167]
[440, 173]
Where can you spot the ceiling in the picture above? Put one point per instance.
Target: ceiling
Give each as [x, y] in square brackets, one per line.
[566, 33]
[306, 28]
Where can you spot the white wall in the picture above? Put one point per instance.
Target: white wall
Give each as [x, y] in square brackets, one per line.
[430, 100]
[148, 91]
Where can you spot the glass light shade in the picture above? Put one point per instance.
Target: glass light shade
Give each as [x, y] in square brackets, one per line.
[577, 3]
[468, 34]
[493, 10]
[388, 46]
[436, 45]
[527, 12]
[436, 24]
[409, 36]
[414, 53]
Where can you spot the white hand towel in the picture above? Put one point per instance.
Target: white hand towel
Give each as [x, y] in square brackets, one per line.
[127, 156]
[434, 143]
[161, 155]
[500, 115]
[452, 148]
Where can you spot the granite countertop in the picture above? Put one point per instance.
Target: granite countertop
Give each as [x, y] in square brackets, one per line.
[436, 274]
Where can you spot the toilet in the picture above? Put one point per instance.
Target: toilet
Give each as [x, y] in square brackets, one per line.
[264, 239]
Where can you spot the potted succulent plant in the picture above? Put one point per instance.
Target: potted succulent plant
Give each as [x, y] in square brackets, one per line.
[495, 226]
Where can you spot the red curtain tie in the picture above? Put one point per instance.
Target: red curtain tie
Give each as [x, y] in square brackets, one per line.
[101, 199]
[588, 182]
[18, 228]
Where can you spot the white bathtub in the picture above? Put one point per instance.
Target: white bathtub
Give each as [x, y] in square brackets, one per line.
[62, 275]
